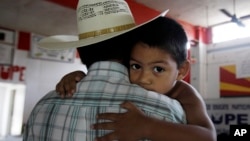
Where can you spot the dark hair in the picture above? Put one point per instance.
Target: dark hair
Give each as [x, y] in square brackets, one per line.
[168, 35]
[117, 48]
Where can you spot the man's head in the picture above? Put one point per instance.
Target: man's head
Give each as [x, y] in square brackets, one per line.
[117, 48]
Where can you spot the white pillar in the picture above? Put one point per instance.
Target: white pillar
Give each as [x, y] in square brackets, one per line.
[198, 68]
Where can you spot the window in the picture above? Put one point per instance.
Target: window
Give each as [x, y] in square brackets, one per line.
[230, 31]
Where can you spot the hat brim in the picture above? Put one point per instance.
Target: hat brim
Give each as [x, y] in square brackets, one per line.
[63, 42]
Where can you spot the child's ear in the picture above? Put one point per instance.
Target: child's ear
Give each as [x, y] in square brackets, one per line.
[183, 70]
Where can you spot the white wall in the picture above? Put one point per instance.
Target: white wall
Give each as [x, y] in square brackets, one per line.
[40, 76]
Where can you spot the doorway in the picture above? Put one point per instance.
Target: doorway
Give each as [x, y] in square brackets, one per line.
[12, 98]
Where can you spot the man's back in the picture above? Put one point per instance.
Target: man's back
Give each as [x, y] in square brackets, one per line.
[103, 90]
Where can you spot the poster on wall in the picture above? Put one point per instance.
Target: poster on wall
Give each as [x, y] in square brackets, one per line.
[7, 38]
[53, 55]
[225, 112]
[243, 66]
[230, 85]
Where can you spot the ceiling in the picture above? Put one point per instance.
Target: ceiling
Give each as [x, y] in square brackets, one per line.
[40, 15]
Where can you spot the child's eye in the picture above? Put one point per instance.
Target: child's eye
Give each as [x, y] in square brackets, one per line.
[159, 69]
[135, 66]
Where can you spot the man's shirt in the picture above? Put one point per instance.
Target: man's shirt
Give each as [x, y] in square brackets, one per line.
[104, 88]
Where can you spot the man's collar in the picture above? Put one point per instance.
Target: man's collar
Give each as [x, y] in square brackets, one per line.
[108, 68]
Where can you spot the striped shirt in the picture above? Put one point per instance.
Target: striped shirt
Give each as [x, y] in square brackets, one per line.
[103, 90]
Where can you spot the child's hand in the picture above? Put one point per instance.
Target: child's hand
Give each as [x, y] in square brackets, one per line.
[128, 126]
[67, 85]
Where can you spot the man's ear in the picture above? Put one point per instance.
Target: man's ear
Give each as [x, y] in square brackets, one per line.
[183, 70]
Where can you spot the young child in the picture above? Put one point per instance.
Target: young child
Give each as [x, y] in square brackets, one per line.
[158, 62]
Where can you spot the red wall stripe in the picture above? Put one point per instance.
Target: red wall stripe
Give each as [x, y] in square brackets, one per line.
[67, 3]
[140, 12]
[206, 35]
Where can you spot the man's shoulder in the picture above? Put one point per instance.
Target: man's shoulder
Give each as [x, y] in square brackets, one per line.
[50, 95]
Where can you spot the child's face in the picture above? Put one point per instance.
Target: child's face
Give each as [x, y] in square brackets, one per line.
[152, 68]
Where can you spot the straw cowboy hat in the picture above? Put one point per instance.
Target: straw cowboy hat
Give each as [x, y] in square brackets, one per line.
[98, 20]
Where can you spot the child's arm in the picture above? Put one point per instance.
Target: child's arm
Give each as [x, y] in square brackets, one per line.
[195, 109]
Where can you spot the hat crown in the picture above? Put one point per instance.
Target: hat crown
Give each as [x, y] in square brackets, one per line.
[98, 17]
